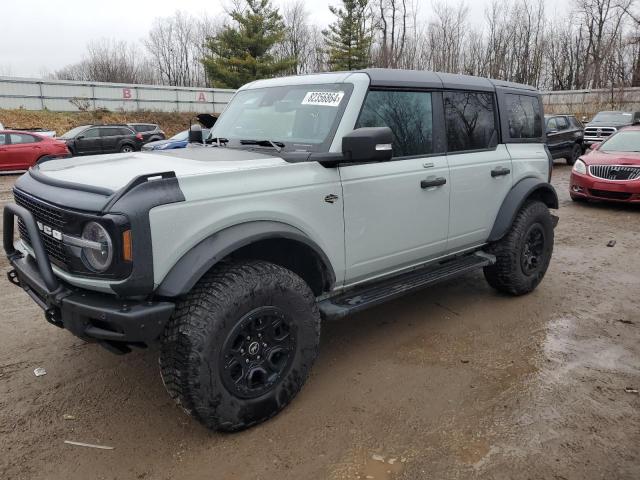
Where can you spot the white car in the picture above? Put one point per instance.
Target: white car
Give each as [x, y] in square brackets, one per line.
[314, 197]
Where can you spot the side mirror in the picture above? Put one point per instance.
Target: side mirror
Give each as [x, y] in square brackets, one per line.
[195, 134]
[594, 146]
[369, 144]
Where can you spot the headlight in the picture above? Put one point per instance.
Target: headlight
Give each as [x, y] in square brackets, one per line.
[98, 259]
[163, 146]
[580, 167]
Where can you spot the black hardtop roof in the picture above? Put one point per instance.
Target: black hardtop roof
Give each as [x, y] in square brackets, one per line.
[387, 77]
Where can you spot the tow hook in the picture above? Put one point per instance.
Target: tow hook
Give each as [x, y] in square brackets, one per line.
[12, 276]
[52, 315]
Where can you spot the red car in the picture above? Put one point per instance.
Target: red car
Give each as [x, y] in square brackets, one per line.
[20, 150]
[610, 171]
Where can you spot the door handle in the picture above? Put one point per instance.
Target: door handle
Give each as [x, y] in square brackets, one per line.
[436, 182]
[499, 171]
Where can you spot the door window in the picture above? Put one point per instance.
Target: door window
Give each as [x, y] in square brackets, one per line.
[523, 116]
[91, 133]
[552, 124]
[21, 138]
[409, 115]
[3, 139]
[470, 121]
[562, 123]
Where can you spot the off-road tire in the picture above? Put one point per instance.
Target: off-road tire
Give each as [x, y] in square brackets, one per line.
[508, 275]
[576, 151]
[190, 356]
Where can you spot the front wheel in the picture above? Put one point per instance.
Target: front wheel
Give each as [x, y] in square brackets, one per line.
[524, 253]
[576, 151]
[240, 346]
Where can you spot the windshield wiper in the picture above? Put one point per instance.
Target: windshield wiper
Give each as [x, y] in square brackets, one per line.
[264, 143]
[219, 141]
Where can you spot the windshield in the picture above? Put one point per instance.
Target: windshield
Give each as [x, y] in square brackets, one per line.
[301, 117]
[628, 141]
[181, 136]
[73, 132]
[613, 117]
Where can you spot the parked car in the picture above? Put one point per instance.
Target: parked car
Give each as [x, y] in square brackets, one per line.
[565, 137]
[611, 170]
[605, 124]
[94, 139]
[319, 197]
[21, 150]
[150, 131]
[179, 140]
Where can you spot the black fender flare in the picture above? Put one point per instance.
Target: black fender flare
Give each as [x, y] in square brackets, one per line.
[202, 257]
[526, 188]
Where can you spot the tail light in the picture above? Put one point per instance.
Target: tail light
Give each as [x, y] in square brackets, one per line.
[139, 136]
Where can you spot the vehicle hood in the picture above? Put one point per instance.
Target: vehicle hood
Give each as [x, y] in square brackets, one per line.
[611, 158]
[112, 172]
[168, 141]
[607, 124]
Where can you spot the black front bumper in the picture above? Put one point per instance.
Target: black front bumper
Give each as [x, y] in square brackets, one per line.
[115, 323]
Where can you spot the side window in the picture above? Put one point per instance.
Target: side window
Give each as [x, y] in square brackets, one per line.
[470, 121]
[562, 123]
[409, 115]
[91, 133]
[523, 116]
[124, 131]
[21, 138]
[552, 124]
[3, 138]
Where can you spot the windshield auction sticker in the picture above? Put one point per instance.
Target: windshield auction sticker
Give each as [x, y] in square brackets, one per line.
[327, 99]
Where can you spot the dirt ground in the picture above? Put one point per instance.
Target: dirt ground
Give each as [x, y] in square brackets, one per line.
[454, 382]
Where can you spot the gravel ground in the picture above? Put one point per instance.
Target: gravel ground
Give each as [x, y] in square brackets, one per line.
[453, 382]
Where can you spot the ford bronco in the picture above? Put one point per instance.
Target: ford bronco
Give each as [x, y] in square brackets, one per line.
[313, 197]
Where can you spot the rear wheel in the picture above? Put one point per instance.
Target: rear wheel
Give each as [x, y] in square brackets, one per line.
[126, 148]
[524, 253]
[576, 151]
[241, 344]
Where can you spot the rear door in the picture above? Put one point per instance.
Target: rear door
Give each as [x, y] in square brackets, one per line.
[89, 142]
[565, 134]
[554, 137]
[479, 165]
[397, 212]
[111, 137]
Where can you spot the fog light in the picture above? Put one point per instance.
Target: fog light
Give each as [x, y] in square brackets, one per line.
[577, 188]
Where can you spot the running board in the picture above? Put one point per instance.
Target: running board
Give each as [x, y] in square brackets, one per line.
[360, 298]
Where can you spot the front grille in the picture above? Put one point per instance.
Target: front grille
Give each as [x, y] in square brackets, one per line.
[611, 195]
[47, 215]
[599, 132]
[615, 172]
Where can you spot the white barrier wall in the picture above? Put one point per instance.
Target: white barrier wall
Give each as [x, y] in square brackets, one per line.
[60, 95]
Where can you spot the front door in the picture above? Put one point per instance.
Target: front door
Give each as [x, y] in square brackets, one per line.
[20, 151]
[89, 142]
[396, 212]
[481, 170]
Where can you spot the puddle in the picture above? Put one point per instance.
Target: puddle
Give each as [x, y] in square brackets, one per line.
[380, 468]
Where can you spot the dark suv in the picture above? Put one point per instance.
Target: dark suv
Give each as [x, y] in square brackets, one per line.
[93, 139]
[150, 131]
[565, 137]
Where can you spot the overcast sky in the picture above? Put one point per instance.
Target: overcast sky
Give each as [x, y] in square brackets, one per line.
[40, 36]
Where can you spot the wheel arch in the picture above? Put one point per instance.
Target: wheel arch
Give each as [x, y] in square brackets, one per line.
[271, 241]
[529, 188]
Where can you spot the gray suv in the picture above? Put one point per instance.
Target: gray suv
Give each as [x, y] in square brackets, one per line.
[313, 198]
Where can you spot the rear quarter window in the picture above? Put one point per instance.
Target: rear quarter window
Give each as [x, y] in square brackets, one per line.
[524, 117]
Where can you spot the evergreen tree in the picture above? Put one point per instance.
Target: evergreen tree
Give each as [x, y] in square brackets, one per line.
[349, 38]
[241, 53]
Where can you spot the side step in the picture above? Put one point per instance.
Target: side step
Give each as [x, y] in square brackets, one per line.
[361, 298]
